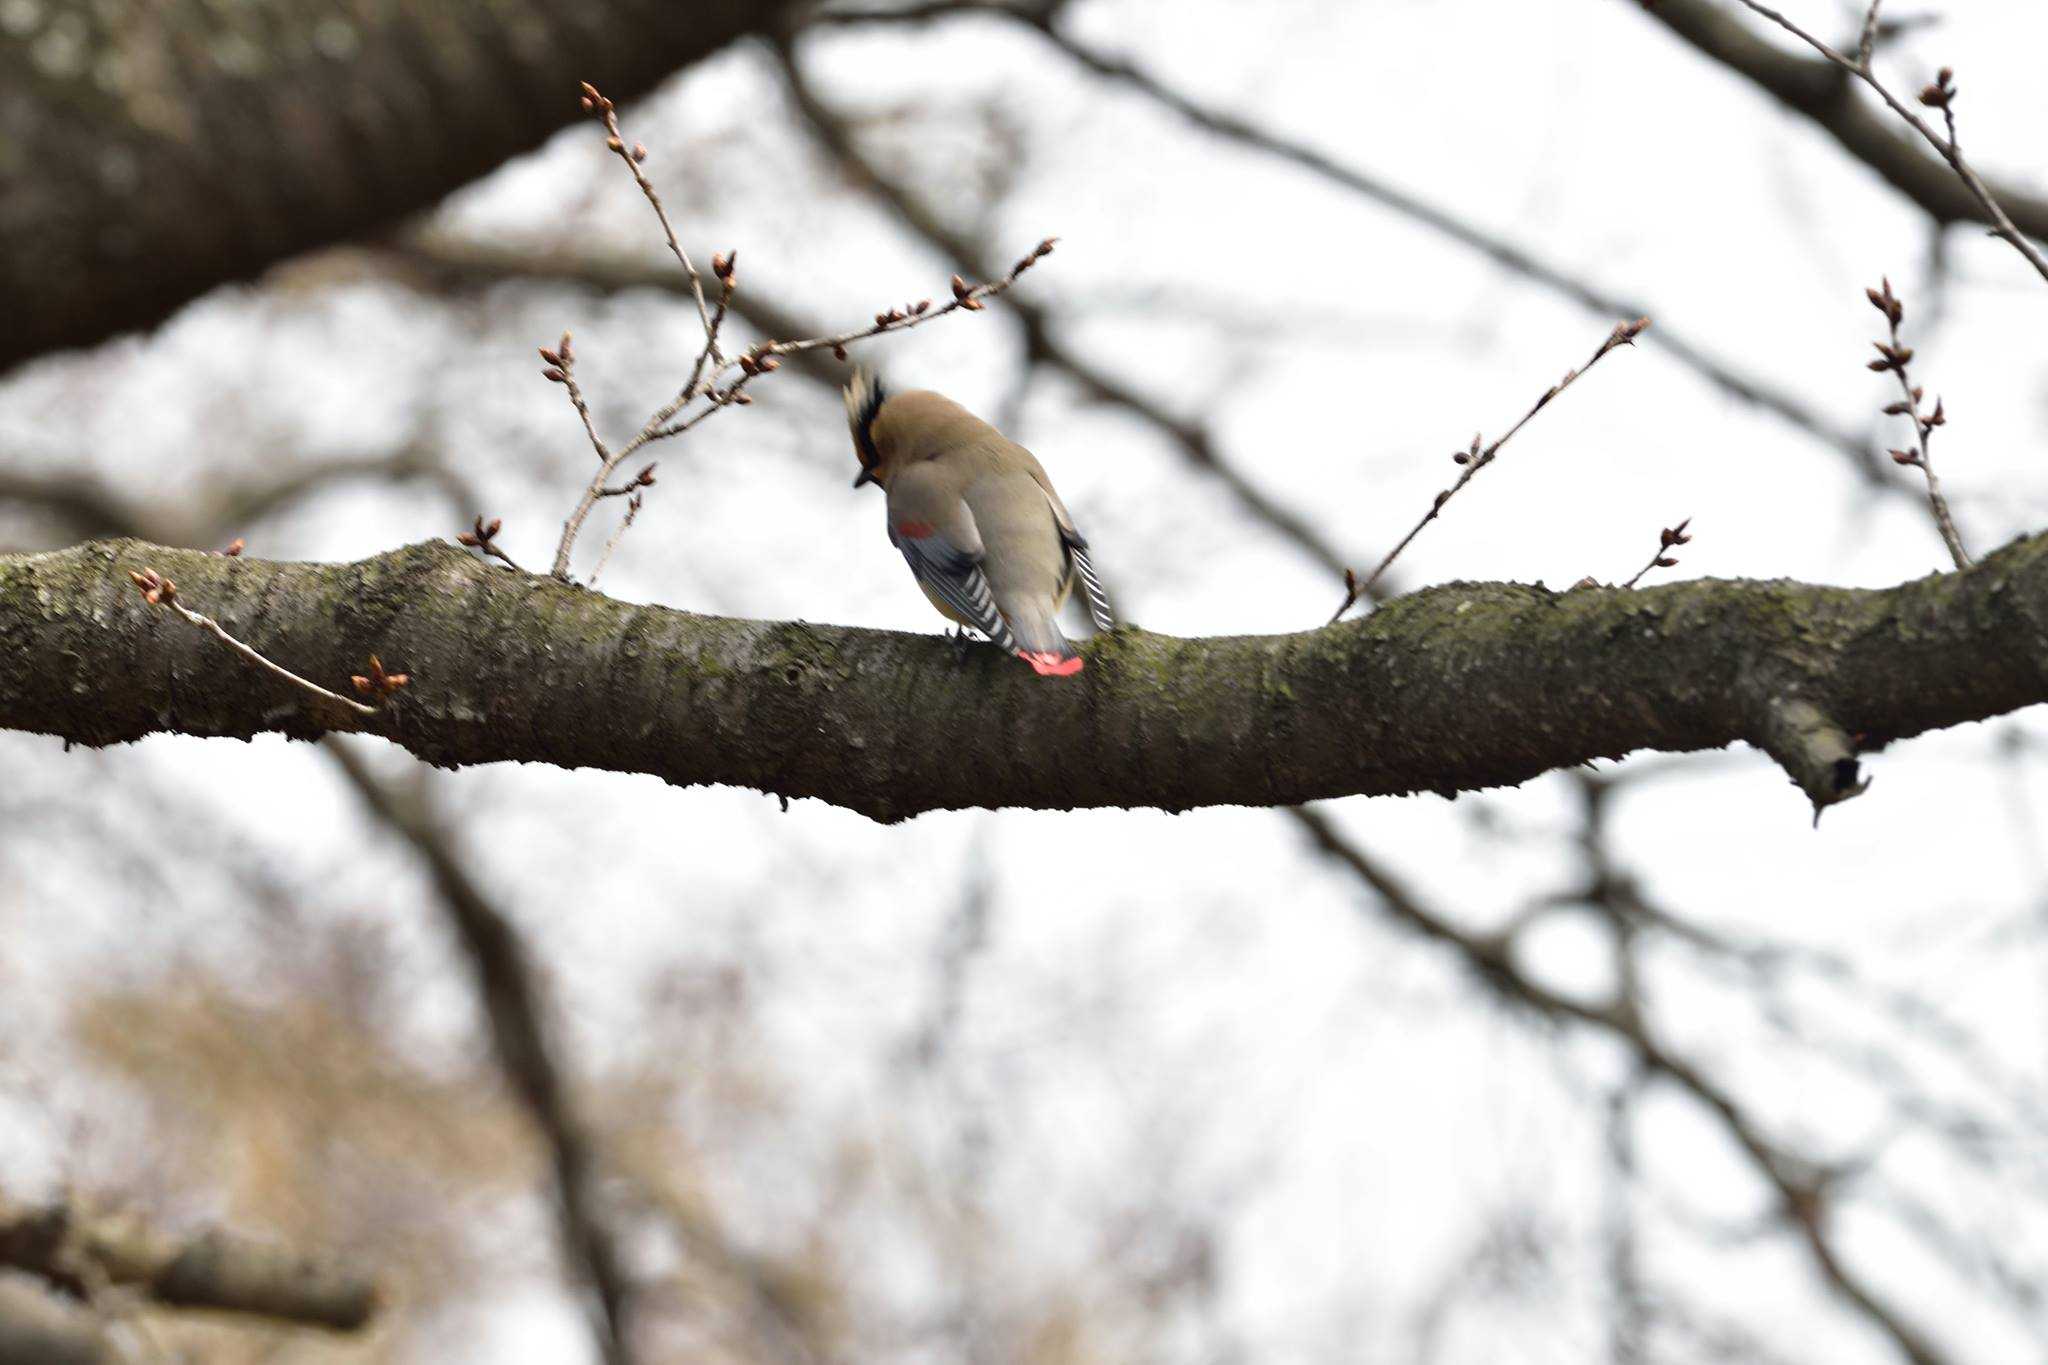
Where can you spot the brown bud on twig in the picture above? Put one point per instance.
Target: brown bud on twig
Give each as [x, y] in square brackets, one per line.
[614, 144]
[960, 289]
[554, 376]
[1886, 302]
[1937, 418]
[1942, 92]
[551, 357]
[1897, 408]
[1905, 457]
[563, 349]
[770, 362]
[838, 352]
[378, 681]
[1665, 561]
[741, 398]
[155, 588]
[645, 478]
[722, 263]
[748, 365]
[639, 152]
[921, 307]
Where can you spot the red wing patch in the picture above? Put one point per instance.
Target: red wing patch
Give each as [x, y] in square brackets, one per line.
[1048, 665]
[916, 530]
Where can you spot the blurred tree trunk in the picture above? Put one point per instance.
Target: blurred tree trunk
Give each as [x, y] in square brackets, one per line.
[151, 152]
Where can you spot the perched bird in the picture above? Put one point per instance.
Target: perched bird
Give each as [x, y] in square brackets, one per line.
[984, 533]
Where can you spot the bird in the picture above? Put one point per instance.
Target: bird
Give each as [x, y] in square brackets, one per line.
[976, 518]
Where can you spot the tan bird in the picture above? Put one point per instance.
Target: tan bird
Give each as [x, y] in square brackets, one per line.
[984, 533]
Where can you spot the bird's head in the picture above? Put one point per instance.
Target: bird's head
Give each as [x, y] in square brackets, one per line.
[864, 398]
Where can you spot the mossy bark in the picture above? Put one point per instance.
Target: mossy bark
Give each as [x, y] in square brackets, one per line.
[1459, 687]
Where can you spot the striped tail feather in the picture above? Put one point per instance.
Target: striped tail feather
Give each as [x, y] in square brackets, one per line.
[1098, 600]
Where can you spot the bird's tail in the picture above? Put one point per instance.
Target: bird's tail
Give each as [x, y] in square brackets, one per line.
[1040, 643]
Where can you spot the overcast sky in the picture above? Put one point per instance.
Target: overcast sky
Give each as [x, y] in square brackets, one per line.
[1193, 1000]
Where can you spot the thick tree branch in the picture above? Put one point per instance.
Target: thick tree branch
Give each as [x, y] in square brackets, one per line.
[211, 1270]
[1455, 688]
[190, 143]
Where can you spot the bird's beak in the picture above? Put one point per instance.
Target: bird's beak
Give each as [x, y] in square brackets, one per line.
[866, 476]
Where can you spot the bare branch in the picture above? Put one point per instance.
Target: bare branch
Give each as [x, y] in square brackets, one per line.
[160, 591]
[633, 157]
[208, 1270]
[1474, 459]
[515, 1012]
[632, 511]
[1667, 539]
[1802, 1191]
[1196, 443]
[1950, 193]
[1895, 358]
[759, 360]
[1503, 252]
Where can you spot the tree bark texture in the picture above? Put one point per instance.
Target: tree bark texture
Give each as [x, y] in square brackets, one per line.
[150, 152]
[1454, 688]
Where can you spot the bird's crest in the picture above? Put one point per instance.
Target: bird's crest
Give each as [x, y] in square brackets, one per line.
[864, 398]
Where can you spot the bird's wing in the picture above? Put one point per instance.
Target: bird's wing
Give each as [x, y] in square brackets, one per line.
[936, 533]
[1076, 543]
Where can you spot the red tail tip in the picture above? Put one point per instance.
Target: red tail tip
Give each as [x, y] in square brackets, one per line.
[1051, 665]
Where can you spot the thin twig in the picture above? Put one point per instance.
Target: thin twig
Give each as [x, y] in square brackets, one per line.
[712, 365]
[1475, 459]
[1197, 442]
[1346, 176]
[160, 591]
[1667, 539]
[1866, 42]
[523, 1033]
[482, 535]
[1895, 357]
[633, 156]
[1940, 95]
[1804, 1190]
[632, 511]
